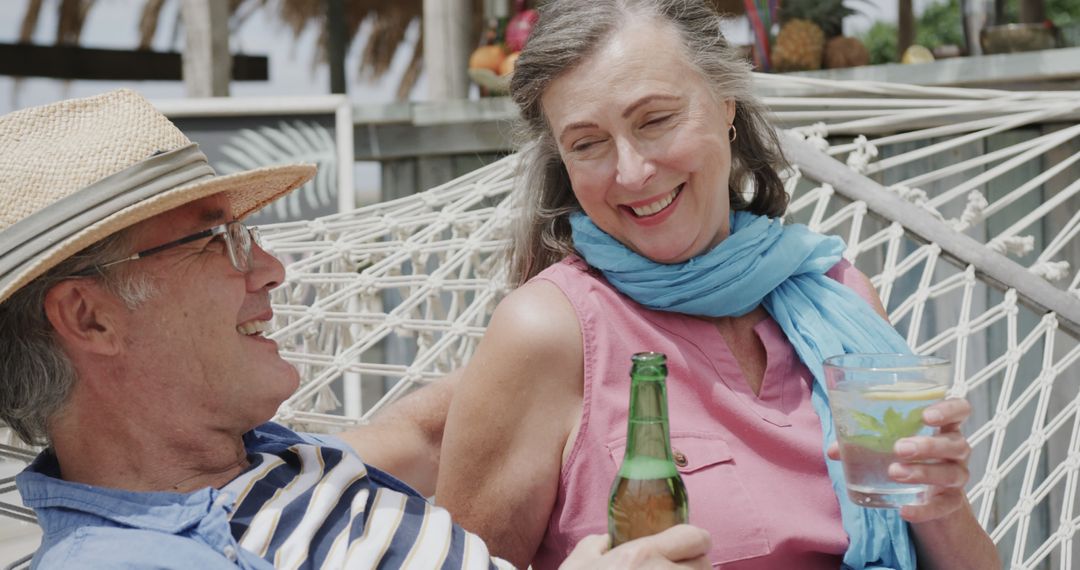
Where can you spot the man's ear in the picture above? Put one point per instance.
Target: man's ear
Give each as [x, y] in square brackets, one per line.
[85, 315]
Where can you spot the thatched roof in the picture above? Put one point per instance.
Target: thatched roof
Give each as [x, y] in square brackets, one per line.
[390, 20]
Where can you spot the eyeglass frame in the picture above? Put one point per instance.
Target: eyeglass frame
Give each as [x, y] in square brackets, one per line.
[246, 248]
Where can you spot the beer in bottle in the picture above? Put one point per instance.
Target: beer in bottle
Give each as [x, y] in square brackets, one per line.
[648, 495]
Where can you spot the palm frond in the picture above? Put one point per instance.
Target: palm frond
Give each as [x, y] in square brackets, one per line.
[412, 73]
[288, 142]
[30, 20]
[297, 13]
[387, 33]
[148, 22]
[72, 17]
[239, 16]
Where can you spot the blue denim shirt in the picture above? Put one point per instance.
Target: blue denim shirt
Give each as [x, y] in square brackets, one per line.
[95, 527]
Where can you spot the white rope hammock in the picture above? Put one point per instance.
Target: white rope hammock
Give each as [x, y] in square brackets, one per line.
[963, 205]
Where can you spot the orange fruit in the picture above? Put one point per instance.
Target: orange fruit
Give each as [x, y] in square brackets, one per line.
[487, 57]
[508, 62]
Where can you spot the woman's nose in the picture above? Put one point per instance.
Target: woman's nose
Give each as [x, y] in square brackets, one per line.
[634, 169]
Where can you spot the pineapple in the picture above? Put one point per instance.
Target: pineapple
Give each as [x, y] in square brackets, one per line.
[845, 51]
[805, 26]
[799, 46]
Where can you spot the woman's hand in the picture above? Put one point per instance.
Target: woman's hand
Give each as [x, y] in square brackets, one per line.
[681, 546]
[939, 461]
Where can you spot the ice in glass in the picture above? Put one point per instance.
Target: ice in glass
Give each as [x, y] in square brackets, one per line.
[876, 400]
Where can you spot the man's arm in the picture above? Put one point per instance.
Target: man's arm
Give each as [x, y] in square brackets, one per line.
[405, 439]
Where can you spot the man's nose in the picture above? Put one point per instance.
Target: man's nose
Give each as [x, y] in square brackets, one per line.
[267, 272]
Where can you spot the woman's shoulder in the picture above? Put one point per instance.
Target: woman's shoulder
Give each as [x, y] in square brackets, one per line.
[569, 267]
[532, 351]
[848, 275]
[537, 316]
[576, 279]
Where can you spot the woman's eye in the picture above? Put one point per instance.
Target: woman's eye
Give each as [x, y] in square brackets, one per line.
[658, 120]
[583, 145]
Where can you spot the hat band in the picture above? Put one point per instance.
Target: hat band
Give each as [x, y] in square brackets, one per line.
[30, 237]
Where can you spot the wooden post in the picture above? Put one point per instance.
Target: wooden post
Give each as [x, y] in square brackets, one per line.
[906, 28]
[448, 41]
[1032, 11]
[336, 44]
[207, 62]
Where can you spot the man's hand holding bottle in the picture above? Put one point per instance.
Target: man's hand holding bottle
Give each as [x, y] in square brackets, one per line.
[681, 546]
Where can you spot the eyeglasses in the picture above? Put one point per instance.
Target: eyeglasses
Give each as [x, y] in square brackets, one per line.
[238, 239]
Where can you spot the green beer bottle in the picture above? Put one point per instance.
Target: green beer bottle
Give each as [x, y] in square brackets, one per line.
[648, 495]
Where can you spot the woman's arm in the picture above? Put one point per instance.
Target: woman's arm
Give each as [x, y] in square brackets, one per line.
[945, 530]
[946, 533]
[517, 403]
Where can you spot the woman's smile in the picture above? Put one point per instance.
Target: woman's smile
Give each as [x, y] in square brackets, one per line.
[654, 210]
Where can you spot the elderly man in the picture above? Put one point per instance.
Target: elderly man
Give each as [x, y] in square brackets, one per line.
[133, 307]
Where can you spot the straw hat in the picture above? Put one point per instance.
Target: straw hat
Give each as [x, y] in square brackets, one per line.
[77, 171]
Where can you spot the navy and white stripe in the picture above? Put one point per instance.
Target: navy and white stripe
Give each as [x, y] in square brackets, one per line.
[311, 506]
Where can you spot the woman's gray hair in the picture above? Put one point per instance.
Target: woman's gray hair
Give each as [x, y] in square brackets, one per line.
[567, 33]
[38, 375]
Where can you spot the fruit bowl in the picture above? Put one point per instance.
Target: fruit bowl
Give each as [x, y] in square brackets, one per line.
[1012, 38]
[494, 83]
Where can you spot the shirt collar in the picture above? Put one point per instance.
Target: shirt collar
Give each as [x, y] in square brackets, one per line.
[43, 490]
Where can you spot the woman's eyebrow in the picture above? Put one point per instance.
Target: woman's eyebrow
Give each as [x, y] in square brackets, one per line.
[645, 100]
[626, 112]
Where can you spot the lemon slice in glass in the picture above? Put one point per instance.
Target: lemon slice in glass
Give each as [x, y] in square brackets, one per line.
[906, 392]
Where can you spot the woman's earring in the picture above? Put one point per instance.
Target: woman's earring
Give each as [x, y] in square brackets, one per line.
[733, 133]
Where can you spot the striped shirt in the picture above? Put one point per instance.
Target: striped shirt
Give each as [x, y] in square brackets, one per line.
[312, 506]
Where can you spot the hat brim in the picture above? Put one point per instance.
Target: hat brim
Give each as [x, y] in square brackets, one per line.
[246, 191]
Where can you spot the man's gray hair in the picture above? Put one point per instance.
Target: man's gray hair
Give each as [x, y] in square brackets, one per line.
[568, 32]
[37, 375]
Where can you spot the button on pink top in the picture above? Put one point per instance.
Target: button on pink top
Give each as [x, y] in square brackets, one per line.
[754, 472]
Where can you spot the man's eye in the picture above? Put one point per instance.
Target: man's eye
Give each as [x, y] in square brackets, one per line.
[216, 243]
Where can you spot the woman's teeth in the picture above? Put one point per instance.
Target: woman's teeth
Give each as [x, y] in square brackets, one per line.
[253, 327]
[658, 205]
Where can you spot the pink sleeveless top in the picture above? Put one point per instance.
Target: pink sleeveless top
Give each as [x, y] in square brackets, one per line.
[753, 470]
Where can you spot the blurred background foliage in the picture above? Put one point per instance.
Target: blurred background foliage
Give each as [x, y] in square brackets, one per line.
[942, 24]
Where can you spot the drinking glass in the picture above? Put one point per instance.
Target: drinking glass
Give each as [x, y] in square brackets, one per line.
[877, 399]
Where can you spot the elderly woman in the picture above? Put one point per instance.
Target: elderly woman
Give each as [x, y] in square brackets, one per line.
[652, 207]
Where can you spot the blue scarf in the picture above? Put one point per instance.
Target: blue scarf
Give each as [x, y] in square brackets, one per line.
[764, 262]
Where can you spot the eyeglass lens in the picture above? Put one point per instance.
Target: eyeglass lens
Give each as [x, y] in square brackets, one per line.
[239, 246]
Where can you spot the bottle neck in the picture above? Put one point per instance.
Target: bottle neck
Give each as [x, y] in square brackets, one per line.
[647, 431]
